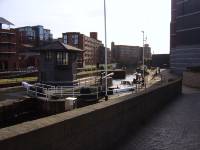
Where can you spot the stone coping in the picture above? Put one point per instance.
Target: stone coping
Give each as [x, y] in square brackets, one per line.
[26, 127]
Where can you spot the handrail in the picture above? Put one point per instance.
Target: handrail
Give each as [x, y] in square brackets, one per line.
[60, 91]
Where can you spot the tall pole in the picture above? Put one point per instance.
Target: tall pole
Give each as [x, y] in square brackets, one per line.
[143, 56]
[106, 63]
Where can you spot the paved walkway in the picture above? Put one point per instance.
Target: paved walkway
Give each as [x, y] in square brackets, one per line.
[177, 127]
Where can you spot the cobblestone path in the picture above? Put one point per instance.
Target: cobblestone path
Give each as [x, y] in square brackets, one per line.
[176, 127]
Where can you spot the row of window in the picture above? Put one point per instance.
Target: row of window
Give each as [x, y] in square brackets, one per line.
[187, 7]
[75, 39]
[62, 58]
[44, 34]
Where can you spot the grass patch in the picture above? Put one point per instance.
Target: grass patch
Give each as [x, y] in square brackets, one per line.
[17, 80]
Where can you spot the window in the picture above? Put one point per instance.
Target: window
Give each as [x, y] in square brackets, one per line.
[41, 32]
[62, 58]
[48, 55]
[65, 39]
[75, 39]
[41, 37]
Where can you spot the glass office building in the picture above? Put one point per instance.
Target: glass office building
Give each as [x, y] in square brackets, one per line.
[185, 35]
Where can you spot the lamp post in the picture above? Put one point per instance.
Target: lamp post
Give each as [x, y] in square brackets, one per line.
[106, 65]
[143, 58]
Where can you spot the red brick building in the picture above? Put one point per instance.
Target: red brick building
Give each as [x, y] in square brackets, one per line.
[30, 37]
[126, 54]
[8, 48]
[130, 55]
[16, 45]
[100, 55]
[90, 46]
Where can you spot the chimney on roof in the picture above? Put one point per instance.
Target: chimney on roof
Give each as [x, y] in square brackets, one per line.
[93, 35]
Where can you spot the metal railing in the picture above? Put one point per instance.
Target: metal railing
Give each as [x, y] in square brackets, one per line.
[49, 92]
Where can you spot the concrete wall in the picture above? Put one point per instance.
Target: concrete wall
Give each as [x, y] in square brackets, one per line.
[13, 111]
[191, 79]
[95, 127]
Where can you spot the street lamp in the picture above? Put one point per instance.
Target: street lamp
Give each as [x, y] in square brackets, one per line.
[106, 65]
[143, 58]
[143, 53]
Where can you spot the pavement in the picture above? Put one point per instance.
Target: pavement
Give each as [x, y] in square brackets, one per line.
[176, 127]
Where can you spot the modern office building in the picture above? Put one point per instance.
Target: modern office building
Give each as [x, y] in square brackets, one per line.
[185, 31]
[35, 35]
[90, 46]
[8, 51]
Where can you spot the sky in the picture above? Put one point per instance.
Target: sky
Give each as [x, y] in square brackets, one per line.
[125, 19]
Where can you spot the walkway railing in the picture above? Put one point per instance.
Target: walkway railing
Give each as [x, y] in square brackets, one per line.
[49, 92]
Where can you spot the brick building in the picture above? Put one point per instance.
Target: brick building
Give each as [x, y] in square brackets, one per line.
[30, 37]
[125, 55]
[16, 45]
[130, 55]
[100, 55]
[8, 48]
[90, 46]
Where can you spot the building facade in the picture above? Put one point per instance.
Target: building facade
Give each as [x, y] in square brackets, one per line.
[28, 38]
[90, 46]
[184, 37]
[100, 55]
[35, 35]
[8, 48]
[57, 63]
[126, 55]
[16, 45]
[147, 52]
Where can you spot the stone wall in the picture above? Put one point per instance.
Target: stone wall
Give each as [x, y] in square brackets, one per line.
[95, 127]
[13, 111]
[191, 79]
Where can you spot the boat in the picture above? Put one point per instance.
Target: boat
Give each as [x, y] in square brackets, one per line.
[124, 86]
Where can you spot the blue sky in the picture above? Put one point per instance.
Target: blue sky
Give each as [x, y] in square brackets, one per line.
[125, 18]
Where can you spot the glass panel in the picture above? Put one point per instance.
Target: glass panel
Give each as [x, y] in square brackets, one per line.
[75, 39]
[62, 58]
[65, 39]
